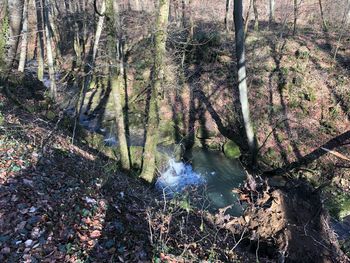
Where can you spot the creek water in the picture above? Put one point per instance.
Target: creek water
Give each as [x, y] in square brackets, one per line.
[210, 169]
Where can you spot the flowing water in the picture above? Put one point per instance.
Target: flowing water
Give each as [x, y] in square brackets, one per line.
[211, 169]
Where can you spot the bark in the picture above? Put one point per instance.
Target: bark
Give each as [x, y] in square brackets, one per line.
[272, 11]
[99, 29]
[256, 16]
[246, 24]
[24, 42]
[117, 71]
[149, 157]
[4, 28]
[184, 4]
[295, 17]
[227, 9]
[242, 81]
[49, 53]
[15, 12]
[40, 39]
[55, 35]
[324, 24]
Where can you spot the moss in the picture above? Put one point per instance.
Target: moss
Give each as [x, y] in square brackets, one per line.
[166, 130]
[96, 141]
[3, 38]
[50, 115]
[136, 155]
[338, 205]
[231, 150]
[2, 119]
[328, 127]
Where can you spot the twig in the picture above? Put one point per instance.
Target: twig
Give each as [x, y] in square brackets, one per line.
[239, 241]
[268, 136]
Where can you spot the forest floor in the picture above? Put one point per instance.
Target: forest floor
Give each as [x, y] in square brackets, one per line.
[65, 202]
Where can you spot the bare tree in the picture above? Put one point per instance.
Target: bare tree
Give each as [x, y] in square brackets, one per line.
[242, 76]
[15, 13]
[49, 53]
[24, 34]
[227, 9]
[99, 29]
[272, 11]
[256, 16]
[296, 10]
[39, 38]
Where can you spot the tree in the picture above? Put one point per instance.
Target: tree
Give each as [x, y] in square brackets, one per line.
[149, 157]
[99, 29]
[115, 44]
[24, 33]
[256, 16]
[272, 11]
[296, 10]
[242, 76]
[227, 9]
[15, 12]
[49, 53]
[39, 39]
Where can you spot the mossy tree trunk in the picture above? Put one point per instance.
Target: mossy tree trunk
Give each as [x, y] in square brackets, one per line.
[242, 77]
[149, 156]
[116, 75]
[4, 30]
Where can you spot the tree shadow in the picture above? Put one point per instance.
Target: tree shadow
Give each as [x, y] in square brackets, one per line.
[66, 202]
[277, 56]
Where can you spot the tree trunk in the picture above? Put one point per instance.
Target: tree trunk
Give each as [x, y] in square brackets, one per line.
[15, 12]
[116, 70]
[149, 157]
[55, 33]
[324, 24]
[4, 28]
[24, 43]
[40, 39]
[295, 17]
[256, 16]
[271, 11]
[99, 29]
[246, 24]
[49, 53]
[227, 9]
[242, 81]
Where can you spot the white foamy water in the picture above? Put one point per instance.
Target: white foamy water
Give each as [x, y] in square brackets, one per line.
[177, 177]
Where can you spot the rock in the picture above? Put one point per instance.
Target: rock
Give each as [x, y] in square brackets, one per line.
[28, 243]
[231, 150]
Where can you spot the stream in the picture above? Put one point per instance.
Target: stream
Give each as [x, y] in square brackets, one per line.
[210, 169]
